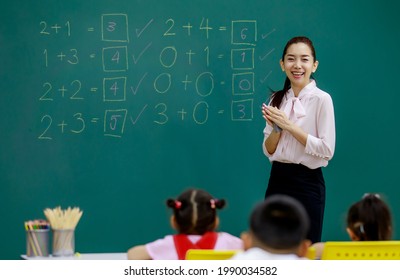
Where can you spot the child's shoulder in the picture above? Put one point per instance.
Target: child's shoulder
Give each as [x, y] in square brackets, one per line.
[225, 234]
[229, 241]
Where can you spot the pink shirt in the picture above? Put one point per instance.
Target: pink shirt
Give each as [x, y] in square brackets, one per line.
[313, 111]
[164, 249]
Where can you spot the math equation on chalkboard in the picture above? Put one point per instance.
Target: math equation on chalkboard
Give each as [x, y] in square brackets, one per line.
[118, 74]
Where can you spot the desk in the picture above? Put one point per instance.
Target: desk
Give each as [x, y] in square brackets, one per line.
[94, 256]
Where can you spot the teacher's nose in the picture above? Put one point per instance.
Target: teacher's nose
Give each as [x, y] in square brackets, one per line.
[297, 64]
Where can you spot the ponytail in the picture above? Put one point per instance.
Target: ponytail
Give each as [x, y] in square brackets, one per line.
[277, 96]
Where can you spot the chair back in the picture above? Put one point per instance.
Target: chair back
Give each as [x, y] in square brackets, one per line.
[203, 254]
[361, 250]
[311, 253]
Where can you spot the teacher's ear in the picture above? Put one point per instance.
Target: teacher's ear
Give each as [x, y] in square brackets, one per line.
[282, 65]
[315, 66]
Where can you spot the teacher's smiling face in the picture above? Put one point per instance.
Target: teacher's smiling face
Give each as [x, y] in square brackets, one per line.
[298, 65]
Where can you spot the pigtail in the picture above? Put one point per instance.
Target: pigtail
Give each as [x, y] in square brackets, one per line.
[170, 203]
[217, 203]
[174, 204]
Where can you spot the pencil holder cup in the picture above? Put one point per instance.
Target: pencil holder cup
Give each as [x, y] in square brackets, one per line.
[37, 242]
[63, 242]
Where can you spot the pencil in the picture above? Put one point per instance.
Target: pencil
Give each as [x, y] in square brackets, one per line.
[35, 238]
[32, 246]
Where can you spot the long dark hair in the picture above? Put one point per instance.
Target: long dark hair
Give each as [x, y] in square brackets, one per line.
[277, 96]
[370, 219]
[195, 211]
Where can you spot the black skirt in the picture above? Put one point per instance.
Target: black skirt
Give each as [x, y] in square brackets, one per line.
[304, 184]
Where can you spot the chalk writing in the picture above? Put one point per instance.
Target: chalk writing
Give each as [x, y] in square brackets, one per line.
[153, 79]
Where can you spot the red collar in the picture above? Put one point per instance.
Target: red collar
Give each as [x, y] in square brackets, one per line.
[182, 243]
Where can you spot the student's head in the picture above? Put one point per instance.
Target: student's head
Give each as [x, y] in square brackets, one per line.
[369, 219]
[279, 224]
[195, 211]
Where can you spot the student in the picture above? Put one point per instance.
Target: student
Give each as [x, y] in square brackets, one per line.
[299, 136]
[367, 220]
[278, 229]
[195, 220]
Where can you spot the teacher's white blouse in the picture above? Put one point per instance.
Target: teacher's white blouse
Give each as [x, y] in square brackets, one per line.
[313, 111]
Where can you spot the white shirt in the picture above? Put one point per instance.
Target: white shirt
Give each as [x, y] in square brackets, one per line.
[260, 254]
[313, 111]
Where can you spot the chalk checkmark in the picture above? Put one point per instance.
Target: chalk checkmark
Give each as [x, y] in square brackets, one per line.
[135, 60]
[266, 77]
[134, 90]
[140, 31]
[134, 121]
[263, 36]
[265, 56]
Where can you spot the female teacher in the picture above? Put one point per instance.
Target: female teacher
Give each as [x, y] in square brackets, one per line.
[299, 136]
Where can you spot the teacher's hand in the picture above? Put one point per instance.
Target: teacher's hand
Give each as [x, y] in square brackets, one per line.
[275, 116]
[264, 111]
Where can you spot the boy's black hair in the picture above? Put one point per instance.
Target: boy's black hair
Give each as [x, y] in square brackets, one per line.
[280, 222]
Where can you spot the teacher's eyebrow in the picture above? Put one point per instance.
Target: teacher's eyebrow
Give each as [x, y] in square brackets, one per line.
[302, 55]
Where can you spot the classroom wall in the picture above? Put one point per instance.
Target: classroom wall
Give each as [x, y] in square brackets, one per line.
[116, 106]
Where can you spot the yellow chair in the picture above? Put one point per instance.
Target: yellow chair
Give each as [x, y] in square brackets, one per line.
[361, 250]
[200, 254]
[311, 253]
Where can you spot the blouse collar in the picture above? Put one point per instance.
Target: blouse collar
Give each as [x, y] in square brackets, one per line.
[305, 91]
[294, 109]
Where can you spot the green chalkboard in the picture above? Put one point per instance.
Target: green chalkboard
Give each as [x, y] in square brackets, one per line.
[114, 106]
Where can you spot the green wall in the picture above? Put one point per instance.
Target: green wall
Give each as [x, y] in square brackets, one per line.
[114, 106]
